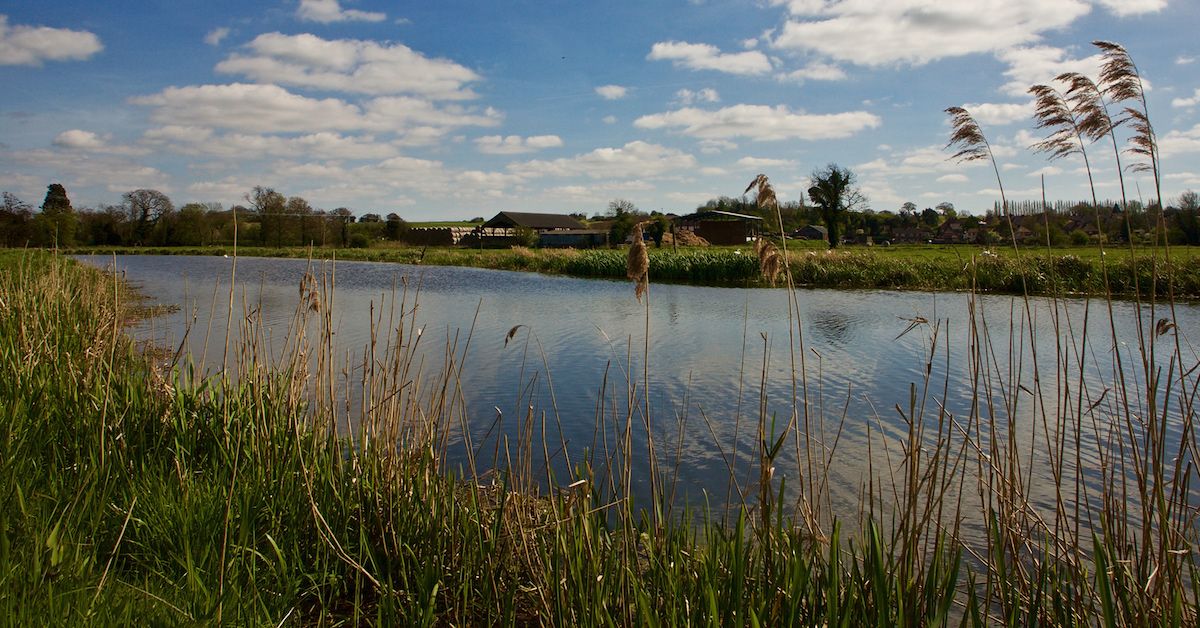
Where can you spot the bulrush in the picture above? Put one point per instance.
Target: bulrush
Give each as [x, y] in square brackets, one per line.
[637, 266]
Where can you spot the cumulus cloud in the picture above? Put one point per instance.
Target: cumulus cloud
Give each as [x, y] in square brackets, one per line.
[206, 142]
[216, 35]
[79, 139]
[612, 92]
[273, 109]
[1123, 8]
[349, 65]
[513, 144]
[33, 45]
[1187, 102]
[708, 57]
[759, 164]
[953, 178]
[816, 71]
[1003, 113]
[326, 11]
[1038, 65]
[883, 32]
[635, 159]
[760, 122]
[78, 168]
[688, 97]
[1177, 142]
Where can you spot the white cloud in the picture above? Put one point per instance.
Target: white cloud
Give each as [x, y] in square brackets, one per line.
[757, 164]
[953, 178]
[688, 97]
[273, 109]
[1039, 65]
[1176, 142]
[609, 119]
[1051, 171]
[1184, 60]
[1003, 113]
[760, 122]
[32, 45]
[883, 32]
[513, 144]
[708, 57]
[1187, 102]
[612, 92]
[710, 146]
[1123, 8]
[326, 11]
[79, 139]
[816, 71]
[78, 168]
[324, 145]
[349, 65]
[216, 35]
[635, 159]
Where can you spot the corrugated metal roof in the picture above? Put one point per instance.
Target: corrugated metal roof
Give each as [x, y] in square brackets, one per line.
[717, 212]
[533, 221]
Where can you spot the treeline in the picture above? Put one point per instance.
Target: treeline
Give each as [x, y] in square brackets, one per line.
[150, 218]
[1062, 222]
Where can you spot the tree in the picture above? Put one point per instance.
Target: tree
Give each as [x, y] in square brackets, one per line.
[947, 210]
[58, 216]
[625, 216]
[396, 227]
[835, 192]
[341, 218]
[270, 207]
[299, 212]
[145, 208]
[15, 216]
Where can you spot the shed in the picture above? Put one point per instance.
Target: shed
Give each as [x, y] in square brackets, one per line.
[721, 227]
[812, 232]
[537, 222]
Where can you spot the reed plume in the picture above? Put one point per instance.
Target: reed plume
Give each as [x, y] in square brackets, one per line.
[637, 266]
[764, 190]
[1054, 111]
[770, 262]
[1122, 82]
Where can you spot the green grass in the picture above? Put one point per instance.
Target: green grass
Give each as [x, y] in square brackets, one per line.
[137, 497]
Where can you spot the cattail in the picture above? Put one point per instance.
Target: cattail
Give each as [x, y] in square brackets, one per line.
[637, 266]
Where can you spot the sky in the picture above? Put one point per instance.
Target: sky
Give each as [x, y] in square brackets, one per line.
[454, 109]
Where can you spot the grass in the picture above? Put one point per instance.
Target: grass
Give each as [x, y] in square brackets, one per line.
[136, 496]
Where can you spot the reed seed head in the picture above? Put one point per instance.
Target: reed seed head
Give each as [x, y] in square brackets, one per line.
[966, 136]
[765, 192]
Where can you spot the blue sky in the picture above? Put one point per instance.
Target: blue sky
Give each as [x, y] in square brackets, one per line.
[455, 109]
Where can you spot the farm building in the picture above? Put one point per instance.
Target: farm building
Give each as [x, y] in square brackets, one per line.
[720, 227]
[812, 232]
[552, 229]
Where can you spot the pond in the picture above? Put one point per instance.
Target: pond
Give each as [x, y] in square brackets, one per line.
[857, 369]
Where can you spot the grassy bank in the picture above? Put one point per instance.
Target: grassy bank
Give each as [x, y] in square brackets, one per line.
[1082, 270]
[137, 497]
[131, 497]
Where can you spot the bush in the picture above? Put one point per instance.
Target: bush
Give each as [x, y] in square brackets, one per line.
[360, 241]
